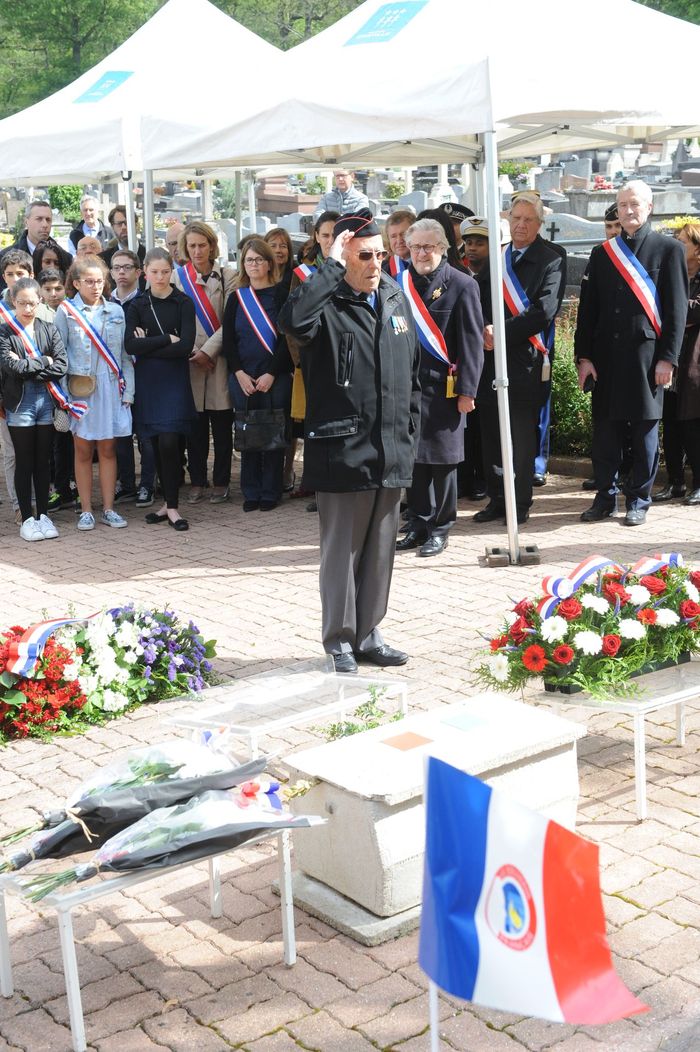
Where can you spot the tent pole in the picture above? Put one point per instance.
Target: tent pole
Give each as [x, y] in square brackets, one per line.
[130, 216]
[238, 184]
[148, 223]
[252, 225]
[499, 338]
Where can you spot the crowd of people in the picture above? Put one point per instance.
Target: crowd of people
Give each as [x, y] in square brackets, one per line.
[103, 347]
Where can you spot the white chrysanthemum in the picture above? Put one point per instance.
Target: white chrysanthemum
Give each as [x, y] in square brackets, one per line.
[692, 592]
[588, 642]
[553, 629]
[498, 667]
[595, 602]
[511, 618]
[631, 629]
[113, 701]
[665, 618]
[639, 595]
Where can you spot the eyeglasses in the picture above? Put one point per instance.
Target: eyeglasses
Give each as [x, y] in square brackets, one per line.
[116, 267]
[255, 261]
[367, 253]
[91, 281]
[24, 303]
[423, 248]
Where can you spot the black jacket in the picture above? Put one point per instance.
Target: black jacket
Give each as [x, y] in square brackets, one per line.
[361, 376]
[15, 372]
[614, 333]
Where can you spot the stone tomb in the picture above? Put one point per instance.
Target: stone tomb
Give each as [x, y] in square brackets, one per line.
[362, 872]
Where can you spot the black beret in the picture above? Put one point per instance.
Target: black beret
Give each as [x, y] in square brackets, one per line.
[360, 223]
[611, 215]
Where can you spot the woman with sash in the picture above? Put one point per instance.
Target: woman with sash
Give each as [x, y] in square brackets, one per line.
[313, 254]
[33, 361]
[259, 364]
[160, 333]
[209, 286]
[100, 372]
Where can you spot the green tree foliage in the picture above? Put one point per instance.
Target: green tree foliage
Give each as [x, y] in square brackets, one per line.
[687, 9]
[67, 200]
[285, 23]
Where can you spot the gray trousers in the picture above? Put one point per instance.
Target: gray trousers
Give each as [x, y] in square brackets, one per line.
[358, 542]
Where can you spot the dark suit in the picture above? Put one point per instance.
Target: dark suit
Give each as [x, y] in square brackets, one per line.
[541, 273]
[614, 333]
[543, 423]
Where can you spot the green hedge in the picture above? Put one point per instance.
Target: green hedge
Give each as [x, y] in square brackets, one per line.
[571, 408]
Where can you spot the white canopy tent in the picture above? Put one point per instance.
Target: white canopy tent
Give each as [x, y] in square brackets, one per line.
[405, 90]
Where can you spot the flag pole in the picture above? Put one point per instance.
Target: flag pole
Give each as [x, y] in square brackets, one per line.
[434, 1021]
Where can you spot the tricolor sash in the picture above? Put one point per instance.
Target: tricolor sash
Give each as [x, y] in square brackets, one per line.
[76, 409]
[95, 339]
[258, 318]
[206, 315]
[633, 272]
[517, 302]
[304, 271]
[428, 333]
[397, 265]
[24, 653]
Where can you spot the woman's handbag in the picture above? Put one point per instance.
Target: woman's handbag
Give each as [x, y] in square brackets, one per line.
[81, 386]
[61, 419]
[260, 430]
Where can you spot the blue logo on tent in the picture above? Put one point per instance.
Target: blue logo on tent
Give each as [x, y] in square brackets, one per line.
[386, 22]
[107, 83]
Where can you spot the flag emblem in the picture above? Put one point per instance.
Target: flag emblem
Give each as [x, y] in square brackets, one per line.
[510, 909]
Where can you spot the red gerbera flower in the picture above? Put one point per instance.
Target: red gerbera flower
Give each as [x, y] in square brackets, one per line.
[563, 654]
[647, 616]
[534, 658]
[499, 642]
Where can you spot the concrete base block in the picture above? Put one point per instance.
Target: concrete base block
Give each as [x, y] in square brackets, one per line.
[346, 916]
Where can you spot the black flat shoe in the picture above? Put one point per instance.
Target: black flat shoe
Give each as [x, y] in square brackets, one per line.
[490, 514]
[433, 546]
[693, 497]
[251, 505]
[345, 662]
[180, 525]
[268, 505]
[669, 492]
[410, 540]
[383, 656]
[596, 514]
[153, 518]
[588, 484]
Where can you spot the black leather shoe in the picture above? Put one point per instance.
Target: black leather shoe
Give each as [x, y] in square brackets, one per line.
[673, 489]
[523, 516]
[411, 539]
[433, 546]
[251, 505]
[153, 518]
[588, 484]
[538, 479]
[476, 493]
[181, 525]
[596, 513]
[635, 517]
[383, 656]
[490, 513]
[693, 497]
[345, 662]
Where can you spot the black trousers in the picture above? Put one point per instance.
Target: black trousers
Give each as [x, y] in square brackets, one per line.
[524, 436]
[691, 443]
[607, 447]
[166, 453]
[674, 448]
[221, 421]
[470, 473]
[432, 499]
[63, 462]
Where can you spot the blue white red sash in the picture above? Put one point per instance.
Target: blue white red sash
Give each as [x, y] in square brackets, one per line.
[206, 315]
[428, 333]
[259, 320]
[5, 314]
[24, 653]
[397, 265]
[76, 409]
[633, 272]
[95, 339]
[517, 302]
[304, 271]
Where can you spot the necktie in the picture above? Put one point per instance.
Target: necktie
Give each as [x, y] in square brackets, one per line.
[515, 255]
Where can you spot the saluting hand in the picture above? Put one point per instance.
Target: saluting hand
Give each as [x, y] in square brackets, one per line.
[338, 247]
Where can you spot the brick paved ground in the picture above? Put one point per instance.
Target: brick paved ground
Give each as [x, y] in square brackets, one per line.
[158, 973]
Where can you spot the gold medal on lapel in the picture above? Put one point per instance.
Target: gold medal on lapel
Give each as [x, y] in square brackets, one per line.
[450, 391]
[437, 294]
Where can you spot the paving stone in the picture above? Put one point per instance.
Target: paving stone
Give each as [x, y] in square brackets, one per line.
[408, 1019]
[539, 1034]
[660, 887]
[315, 987]
[217, 969]
[253, 990]
[352, 967]
[178, 1031]
[263, 1018]
[36, 1031]
[372, 1000]
[641, 934]
[321, 1031]
[277, 1042]
[122, 1014]
[170, 981]
[466, 1033]
[681, 948]
[129, 1041]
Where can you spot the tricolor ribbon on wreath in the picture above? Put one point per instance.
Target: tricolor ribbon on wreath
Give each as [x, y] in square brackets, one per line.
[76, 409]
[24, 653]
[69, 308]
[517, 302]
[557, 588]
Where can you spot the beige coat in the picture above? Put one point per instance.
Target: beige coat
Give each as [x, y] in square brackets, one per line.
[210, 389]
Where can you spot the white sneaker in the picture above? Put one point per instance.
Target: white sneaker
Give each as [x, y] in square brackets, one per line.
[111, 518]
[86, 521]
[47, 527]
[31, 531]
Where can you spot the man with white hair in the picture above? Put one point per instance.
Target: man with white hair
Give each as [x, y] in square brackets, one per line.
[533, 278]
[90, 225]
[629, 331]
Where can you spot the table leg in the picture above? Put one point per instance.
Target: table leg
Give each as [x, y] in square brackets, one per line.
[640, 772]
[287, 899]
[404, 700]
[70, 971]
[215, 905]
[680, 723]
[6, 988]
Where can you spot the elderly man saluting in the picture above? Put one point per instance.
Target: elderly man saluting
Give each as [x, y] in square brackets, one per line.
[629, 331]
[359, 358]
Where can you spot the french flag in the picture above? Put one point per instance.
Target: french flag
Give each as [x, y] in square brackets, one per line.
[512, 914]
